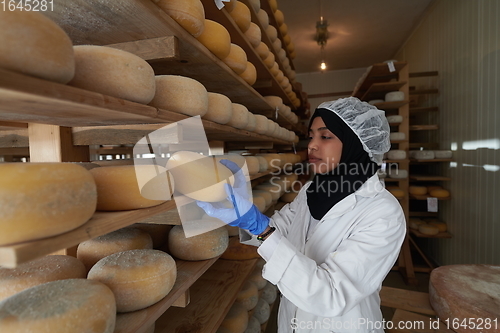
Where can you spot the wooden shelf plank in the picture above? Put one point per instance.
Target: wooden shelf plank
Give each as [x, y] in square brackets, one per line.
[423, 127]
[425, 145]
[430, 178]
[212, 295]
[434, 160]
[424, 92]
[378, 90]
[424, 74]
[424, 109]
[187, 273]
[101, 223]
[378, 73]
[444, 234]
[391, 105]
[406, 299]
[396, 161]
[423, 214]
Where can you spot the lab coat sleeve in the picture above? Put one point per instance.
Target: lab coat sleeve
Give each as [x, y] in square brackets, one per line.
[348, 275]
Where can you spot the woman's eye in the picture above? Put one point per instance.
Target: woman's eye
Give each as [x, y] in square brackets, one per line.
[325, 137]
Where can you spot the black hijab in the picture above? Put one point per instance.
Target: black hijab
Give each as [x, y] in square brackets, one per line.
[355, 167]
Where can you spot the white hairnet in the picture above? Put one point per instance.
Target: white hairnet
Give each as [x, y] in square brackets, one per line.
[368, 122]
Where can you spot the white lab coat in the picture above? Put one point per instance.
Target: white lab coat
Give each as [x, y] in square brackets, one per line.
[331, 281]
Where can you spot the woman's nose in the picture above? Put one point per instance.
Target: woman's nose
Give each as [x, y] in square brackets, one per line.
[312, 145]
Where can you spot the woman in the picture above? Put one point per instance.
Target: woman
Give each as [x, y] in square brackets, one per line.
[330, 249]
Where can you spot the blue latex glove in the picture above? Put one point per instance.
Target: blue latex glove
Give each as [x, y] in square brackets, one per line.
[244, 214]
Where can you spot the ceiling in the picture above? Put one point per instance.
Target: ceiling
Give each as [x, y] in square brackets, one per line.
[361, 32]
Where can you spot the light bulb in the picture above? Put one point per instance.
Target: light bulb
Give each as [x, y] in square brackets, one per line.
[322, 66]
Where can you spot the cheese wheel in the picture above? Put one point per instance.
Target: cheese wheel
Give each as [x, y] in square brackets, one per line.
[113, 72]
[239, 251]
[91, 251]
[251, 123]
[439, 193]
[286, 38]
[288, 197]
[263, 164]
[397, 136]
[262, 311]
[254, 34]
[274, 5]
[241, 16]
[236, 319]
[72, 305]
[394, 96]
[248, 296]
[414, 223]
[397, 192]
[443, 153]
[237, 59]
[138, 278]
[280, 18]
[39, 200]
[277, 45]
[274, 101]
[255, 5]
[272, 33]
[239, 116]
[220, 108]
[270, 60]
[427, 229]
[263, 18]
[189, 14]
[39, 271]
[157, 232]
[200, 247]
[262, 124]
[434, 187]
[253, 326]
[256, 277]
[440, 225]
[269, 293]
[398, 173]
[32, 44]
[232, 231]
[265, 194]
[396, 154]
[283, 29]
[262, 50]
[236, 158]
[280, 76]
[273, 160]
[118, 188]
[259, 202]
[250, 74]
[180, 94]
[198, 177]
[229, 5]
[422, 154]
[395, 119]
[216, 38]
[252, 164]
[417, 190]
[274, 69]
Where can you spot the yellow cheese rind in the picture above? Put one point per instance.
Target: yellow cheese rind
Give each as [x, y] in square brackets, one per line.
[254, 34]
[40, 200]
[190, 14]
[236, 319]
[138, 278]
[262, 50]
[263, 18]
[241, 16]
[216, 38]
[72, 305]
[252, 164]
[252, 122]
[427, 229]
[229, 6]
[250, 74]
[113, 72]
[248, 296]
[237, 59]
[180, 94]
[417, 190]
[439, 193]
[239, 116]
[91, 251]
[204, 246]
[280, 18]
[440, 225]
[220, 108]
[39, 271]
[32, 44]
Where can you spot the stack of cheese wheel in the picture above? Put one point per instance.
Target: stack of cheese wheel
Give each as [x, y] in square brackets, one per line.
[138, 278]
[237, 59]
[216, 38]
[231, 232]
[113, 72]
[273, 160]
[93, 250]
[44, 51]
[190, 14]
[39, 271]
[29, 188]
[118, 188]
[77, 305]
[220, 108]
[239, 251]
[200, 247]
[236, 319]
[180, 94]
[248, 296]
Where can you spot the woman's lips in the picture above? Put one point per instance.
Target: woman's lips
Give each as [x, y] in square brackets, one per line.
[314, 159]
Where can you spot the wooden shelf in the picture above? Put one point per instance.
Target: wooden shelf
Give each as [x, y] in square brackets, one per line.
[424, 197]
[101, 223]
[426, 178]
[187, 273]
[391, 105]
[378, 73]
[396, 161]
[424, 74]
[378, 90]
[424, 109]
[423, 127]
[212, 295]
[434, 160]
[394, 180]
[423, 214]
[439, 235]
[399, 141]
[425, 145]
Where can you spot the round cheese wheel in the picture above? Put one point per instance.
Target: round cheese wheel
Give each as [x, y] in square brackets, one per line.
[255, 5]
[397, 136]
[39, 200]
[248, 296]
[272, 33]
[288, 197]
[262, 50]
[443, 153]
[263, 164]
[417, 190]
[252, 164]
[256, 277]
[439, 193]
[259, 202]
[32, 44]
[254, 34]
[253, 326]
[394, 96]
[265, 194]
[237, 59]
[216, 38]
[274, 5]
[394, 119]
[91, 251]
[274, 101]
[434, 187]
[280, 76]
[250, 74]
[270, 60]
[190, 14]
[398, 173]
[397, 192]
[157, 232]
[138, 278]
[113, 72]
[236, 319]
[241, 16]
[238, 251]
[262, 124]
[427, 229]
[200, 247]
[252, 122]
[180, 94]
[415, 222]
[280, 18]
[39, 271]
[239, 116]
[277, 45]
[198, 177]
[220, 108]
[274, 69]
[283, 29]
[440, 225]
[422, 154]
[229, 5]
[263, 18]
[273, 160]
[76, 305]
[286, 38]
[262, 311]
[118, 188]
[396, 154]
[269, 293]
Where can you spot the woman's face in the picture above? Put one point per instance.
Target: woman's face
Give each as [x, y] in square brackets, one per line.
[324, 148]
